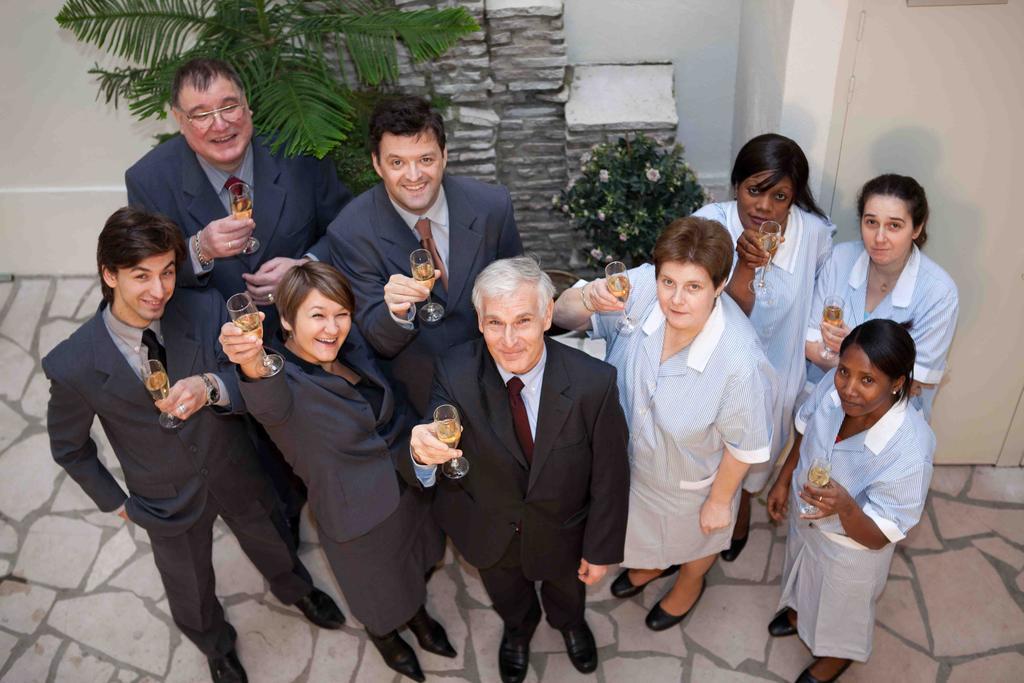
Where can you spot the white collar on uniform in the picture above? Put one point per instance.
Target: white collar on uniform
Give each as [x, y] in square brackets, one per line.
[785, 255]
[437, 213]
[883, 430]
[904, 289]
[704, 344]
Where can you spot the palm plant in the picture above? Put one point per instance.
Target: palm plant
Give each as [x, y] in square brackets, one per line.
[286, 53]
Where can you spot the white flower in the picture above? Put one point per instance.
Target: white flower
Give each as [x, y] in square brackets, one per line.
[565, 208]
[600, 215]
[596, 253]
[585, 157]
[653, 174]
[622, 237]
[608, 258]
[555, 199]
[602, 175]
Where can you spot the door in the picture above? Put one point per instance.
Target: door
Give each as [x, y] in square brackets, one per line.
[936, 93]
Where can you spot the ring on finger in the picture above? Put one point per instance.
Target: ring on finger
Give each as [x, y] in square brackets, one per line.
[270, 298]
[182, 408]
[231, 244]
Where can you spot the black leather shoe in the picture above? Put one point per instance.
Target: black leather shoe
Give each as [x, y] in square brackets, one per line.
[513, 661]
[622, 587]
[398, 655]
[806, 677]
[227, 669]
[321, 610]
[579, 643]
[430, 634]
[779, 626]
[734, 549]
[659, 620]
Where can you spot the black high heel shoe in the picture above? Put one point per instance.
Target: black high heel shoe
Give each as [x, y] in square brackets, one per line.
[659, 620]
[780, 624]
[398, 655]
[622, 587]
[807, 677]
[735, 548]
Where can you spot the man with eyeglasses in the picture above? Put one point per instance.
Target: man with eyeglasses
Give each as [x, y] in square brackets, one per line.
[189, 179]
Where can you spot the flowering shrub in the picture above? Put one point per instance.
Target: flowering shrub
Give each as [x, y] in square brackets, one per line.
[630, 190]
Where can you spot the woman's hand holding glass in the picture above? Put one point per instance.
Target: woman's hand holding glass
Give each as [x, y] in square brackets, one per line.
[750, 250]
[601, 298]
[831, 499]
[243, 349]
[832, 337]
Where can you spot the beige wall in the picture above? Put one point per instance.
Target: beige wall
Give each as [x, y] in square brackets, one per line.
[698, 36]
[65, 151]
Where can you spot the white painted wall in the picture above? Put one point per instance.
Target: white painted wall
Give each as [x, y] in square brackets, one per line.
[65, 152]
[698, 36]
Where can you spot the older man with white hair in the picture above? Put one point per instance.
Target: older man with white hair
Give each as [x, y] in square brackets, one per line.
[546, 494]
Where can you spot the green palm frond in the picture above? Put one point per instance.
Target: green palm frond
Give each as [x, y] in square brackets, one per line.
[300, 105]
[141, 31]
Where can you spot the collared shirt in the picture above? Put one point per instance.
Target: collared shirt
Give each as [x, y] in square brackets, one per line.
[781, 327]
[217, 179]
[886, 469]
[715, 393]
[533, 381]
[128, 341]
[924, 295]
[439, 230]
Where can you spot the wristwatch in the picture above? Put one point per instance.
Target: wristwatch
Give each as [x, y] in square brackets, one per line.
[212, 392]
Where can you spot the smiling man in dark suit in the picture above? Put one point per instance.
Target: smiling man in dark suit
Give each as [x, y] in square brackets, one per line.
[179, 480]
[464, 223]
[547, 491]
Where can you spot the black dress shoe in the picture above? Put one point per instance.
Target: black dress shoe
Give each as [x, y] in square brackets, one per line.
[622, 587]
[430, 634]
[734, 549]
[513, 661]
[579, 643]
[398, 655]
[780, 626]
[659, 620]
[806, 677]
[320, 609]
[227, 669]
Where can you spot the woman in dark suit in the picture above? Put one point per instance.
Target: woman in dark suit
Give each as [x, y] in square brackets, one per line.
[337, 421]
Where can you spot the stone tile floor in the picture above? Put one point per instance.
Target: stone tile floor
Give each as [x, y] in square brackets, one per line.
[80, 599]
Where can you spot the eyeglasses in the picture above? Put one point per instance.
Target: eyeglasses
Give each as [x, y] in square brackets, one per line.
[230, 114]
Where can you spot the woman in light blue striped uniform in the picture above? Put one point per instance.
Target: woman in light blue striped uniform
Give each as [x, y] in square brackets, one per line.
[886, 275]
[697, 391]
[770, 182]
[880, 454]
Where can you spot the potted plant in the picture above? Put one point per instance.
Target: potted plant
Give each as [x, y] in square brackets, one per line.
[629, 191]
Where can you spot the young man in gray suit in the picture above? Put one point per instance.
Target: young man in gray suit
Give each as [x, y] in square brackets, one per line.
[179, 480]
[465, 224]
[547, 491]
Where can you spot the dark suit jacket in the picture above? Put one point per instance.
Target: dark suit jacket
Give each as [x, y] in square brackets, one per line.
[169, 474]
[346, 455]
[572, 501]
[369, 242]
[295, 200]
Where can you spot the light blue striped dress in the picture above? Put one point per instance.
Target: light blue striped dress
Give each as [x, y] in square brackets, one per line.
[831, 580]
[924, 294]
[716, 392]
[781, 327]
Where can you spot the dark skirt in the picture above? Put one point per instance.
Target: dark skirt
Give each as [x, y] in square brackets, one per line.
[382, 572]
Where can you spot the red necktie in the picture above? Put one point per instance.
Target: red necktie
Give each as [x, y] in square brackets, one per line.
[520, 418]
[427, 242]
[231, 182]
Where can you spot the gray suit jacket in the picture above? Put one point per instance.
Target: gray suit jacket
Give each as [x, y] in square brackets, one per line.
[295, 200]
[370, 242]
[169, 474]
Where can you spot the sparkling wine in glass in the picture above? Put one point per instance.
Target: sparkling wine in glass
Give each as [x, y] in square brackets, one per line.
[241, 207]
[770, 235]
[246, 317]
[618, 284]
[423, 270]
[448, 428]
[819, 474]
[154, 375]
[833, 315]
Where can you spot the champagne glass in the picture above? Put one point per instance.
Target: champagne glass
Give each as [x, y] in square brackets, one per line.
[819, 474]
[833, 315]
[618, 284]
[770, 234]
[423, 271]
[246, 317]
[448, 428]
[158, 385]
[241, 207]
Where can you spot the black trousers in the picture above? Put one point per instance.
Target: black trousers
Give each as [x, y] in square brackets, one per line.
[515, 597]
[186, 567]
